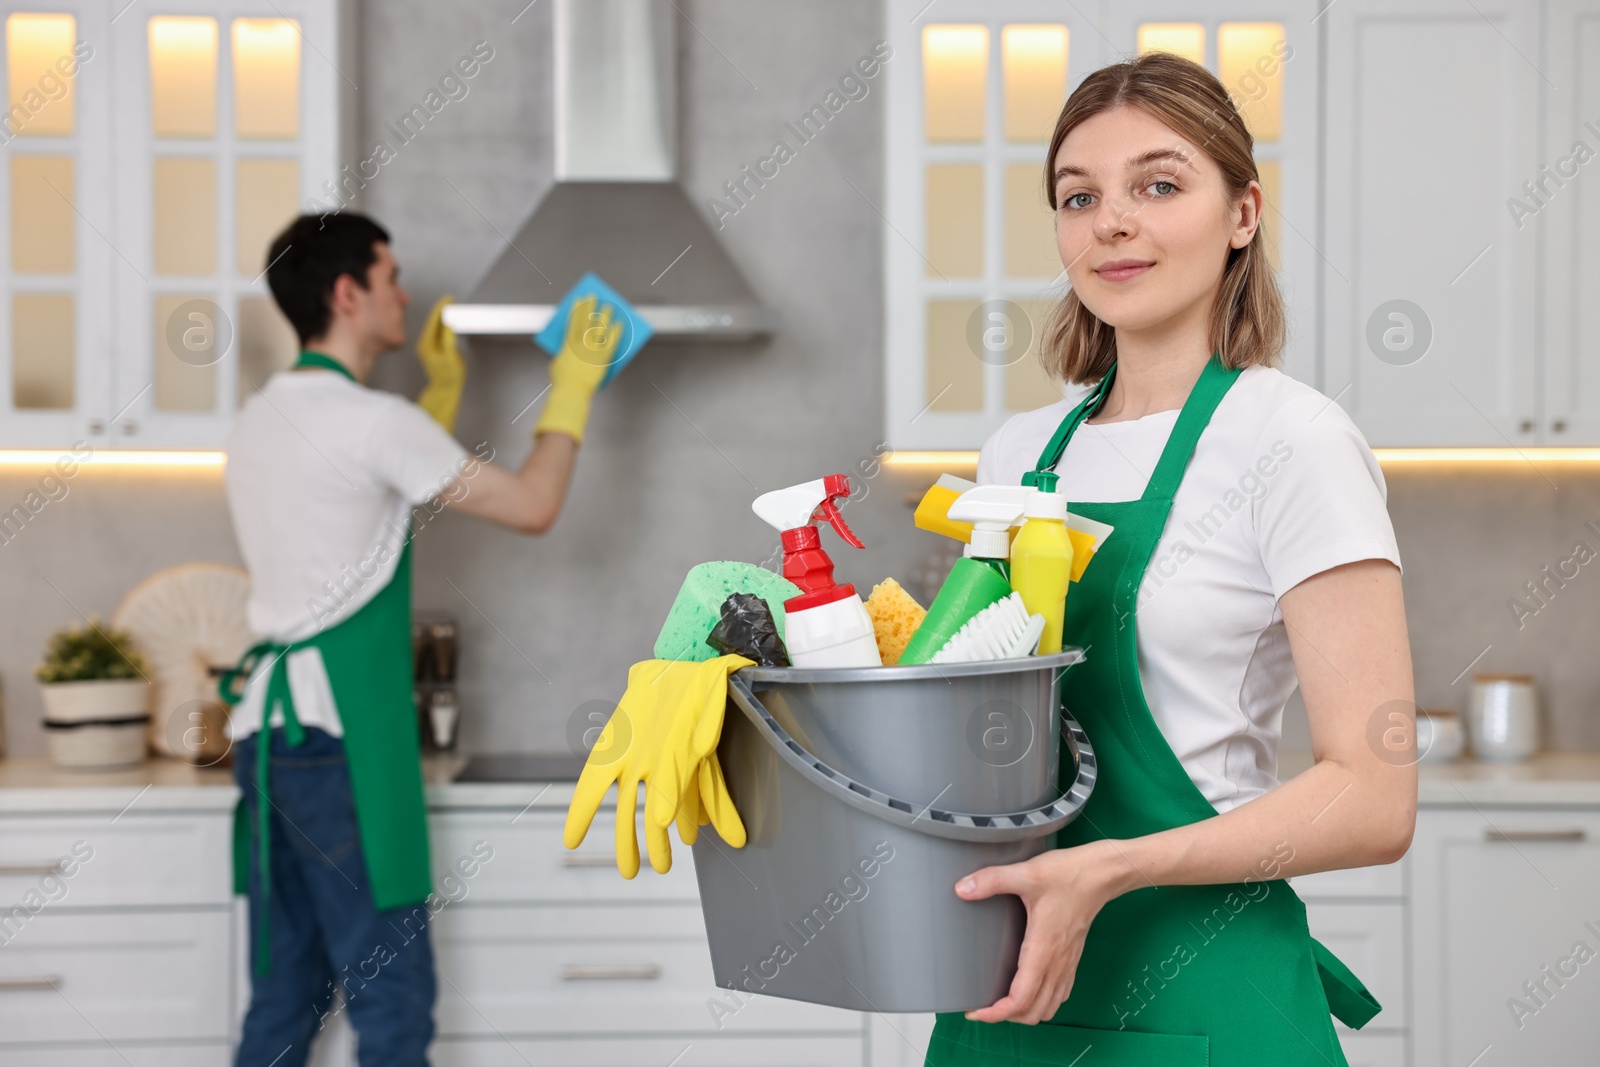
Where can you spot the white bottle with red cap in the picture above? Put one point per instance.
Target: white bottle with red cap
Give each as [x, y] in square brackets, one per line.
[827, 625]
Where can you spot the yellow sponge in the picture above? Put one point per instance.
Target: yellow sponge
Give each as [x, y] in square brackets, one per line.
[895, 617]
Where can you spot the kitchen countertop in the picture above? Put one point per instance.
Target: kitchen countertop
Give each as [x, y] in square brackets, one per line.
[1550, 779]
[1554, 779]
[37, 785]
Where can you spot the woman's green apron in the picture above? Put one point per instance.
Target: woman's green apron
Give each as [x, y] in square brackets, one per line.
[1182, 976]
[369, 665]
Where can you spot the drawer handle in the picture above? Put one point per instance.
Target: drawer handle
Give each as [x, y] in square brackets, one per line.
[582, 859]
[29, 985]
[40, 867]
[1513, 836]
[577, 972]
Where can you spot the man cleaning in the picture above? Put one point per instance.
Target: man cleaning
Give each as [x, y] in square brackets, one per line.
[330, 837]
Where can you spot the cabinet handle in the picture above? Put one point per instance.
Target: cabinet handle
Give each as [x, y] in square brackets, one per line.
[578, 972]
[129, 427]
[97, 426]
[1526, 425]
[1559, 426]
[30, 985]
[1513, 836]
[40, 867]
[579, 859]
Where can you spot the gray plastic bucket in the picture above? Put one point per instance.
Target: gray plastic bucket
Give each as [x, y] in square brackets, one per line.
[866, 794]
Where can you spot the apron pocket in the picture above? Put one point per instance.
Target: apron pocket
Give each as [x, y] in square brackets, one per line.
[1049, 1043]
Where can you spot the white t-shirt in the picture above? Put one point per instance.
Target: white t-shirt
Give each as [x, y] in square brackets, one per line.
[322, 476]
[1281, 486]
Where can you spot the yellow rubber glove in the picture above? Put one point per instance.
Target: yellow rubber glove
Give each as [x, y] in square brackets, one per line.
[441, 361]
[666, 726]
[578, 368]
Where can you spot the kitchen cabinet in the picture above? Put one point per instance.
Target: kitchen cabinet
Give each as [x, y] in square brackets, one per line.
[1429, 286]
[1506, 942]
[1566, 204]
[143, 190]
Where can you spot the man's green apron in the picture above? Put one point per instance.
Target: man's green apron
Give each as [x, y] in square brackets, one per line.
[1180, 976]
[369, 665]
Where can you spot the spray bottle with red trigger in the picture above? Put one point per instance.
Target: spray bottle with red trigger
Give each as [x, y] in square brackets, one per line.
[827, 625]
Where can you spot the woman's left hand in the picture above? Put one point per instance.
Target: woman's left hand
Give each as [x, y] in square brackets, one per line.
[1062, 890]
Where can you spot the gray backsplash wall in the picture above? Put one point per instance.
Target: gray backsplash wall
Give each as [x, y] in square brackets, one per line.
[682, 441]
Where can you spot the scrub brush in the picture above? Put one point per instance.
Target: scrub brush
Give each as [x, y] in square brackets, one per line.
[1003, 630]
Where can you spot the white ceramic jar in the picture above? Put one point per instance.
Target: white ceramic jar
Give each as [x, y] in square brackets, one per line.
[1502, 718]
[1439, 735]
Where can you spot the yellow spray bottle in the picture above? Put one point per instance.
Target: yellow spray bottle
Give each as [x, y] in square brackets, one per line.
[1041, 559]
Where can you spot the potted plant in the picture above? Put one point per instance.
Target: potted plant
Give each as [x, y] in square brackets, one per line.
[96, 698]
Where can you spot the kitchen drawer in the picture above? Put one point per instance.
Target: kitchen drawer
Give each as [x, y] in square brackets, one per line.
[1370, 939]
[1373, 1050]
[530, 864]
[126, 1054]
[113, 976]
[630, 1052]
[1387, 882]
[608, 968]
[133, 861]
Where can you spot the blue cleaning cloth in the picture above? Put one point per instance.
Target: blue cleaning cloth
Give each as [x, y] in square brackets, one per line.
[635, 331]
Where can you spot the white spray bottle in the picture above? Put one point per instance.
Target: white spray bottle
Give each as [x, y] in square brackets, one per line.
[992, 510]
[827, 625]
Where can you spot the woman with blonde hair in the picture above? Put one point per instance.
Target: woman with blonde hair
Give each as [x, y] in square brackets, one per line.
[1252, 548]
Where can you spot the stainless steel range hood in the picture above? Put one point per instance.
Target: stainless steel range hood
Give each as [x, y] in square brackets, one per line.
[616, 207]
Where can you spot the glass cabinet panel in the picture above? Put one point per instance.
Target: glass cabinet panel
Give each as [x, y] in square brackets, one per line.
[267, 343]
[1030, 225]
[954, 371]
[39, 67]
[1027, 385]
[266, 79]
[265, 200]
[955, 72]
[185, 227]
[183, 76]
[186, 343]
[42, 220]
[43, 351]
[1034, 62]
[1250, 66]
[955, 220]
[1186, 39]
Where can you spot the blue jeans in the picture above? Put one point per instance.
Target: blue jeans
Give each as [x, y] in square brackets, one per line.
[325, 931]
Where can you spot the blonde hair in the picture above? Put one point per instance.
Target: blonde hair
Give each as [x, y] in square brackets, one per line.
[1248, 324]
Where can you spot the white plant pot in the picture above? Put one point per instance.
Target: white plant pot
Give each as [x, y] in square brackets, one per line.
[96, 724]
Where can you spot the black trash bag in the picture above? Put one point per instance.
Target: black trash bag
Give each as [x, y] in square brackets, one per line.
[748, 629]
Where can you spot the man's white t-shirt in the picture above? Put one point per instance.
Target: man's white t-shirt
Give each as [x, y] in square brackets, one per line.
[1281, 486]
[321, 479]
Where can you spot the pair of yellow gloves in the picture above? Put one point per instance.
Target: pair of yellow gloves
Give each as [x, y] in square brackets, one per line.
[664, 734]
[575, 373]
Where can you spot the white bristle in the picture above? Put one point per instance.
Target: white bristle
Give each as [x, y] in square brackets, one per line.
[993, 633]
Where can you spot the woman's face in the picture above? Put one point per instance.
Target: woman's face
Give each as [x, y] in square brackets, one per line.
[1143, 219]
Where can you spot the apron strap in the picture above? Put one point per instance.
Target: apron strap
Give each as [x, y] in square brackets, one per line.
[278, 694]
[317, 359]
[1058, 444]
[1208, 390]
[1348, 999]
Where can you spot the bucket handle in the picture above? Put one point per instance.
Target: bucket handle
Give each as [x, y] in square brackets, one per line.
[948, 825]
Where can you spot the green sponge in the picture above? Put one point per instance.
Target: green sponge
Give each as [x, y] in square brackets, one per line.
[699, 605]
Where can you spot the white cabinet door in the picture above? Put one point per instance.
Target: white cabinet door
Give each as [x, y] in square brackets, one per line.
[94, 976]
[1506, 936]
[56, 256]
[1564, 201]
[1429, 289]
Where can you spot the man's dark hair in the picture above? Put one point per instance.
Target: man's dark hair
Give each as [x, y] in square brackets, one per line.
[309, 256]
